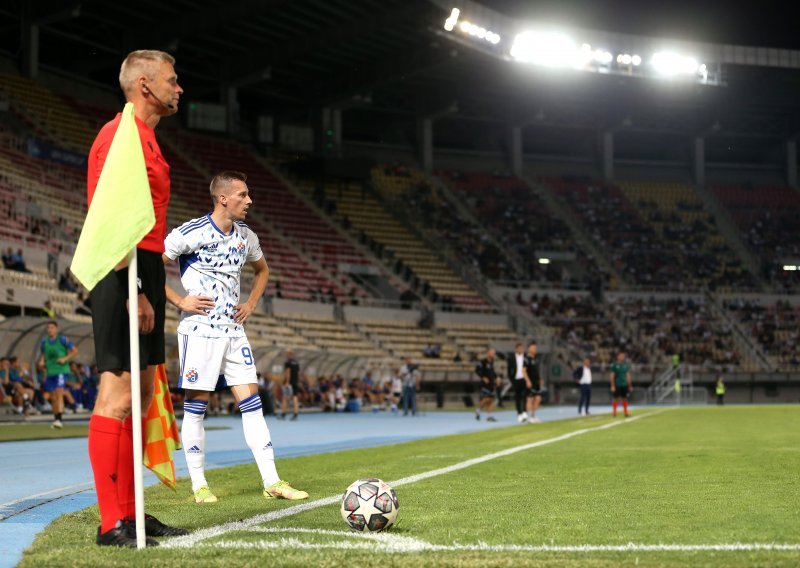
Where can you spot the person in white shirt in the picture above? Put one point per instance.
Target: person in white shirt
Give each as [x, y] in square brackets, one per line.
[213, 348]
[585, 384]
[516, 374]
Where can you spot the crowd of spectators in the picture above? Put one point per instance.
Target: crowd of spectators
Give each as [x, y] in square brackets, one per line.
[23, 390]
[684, 327]
[775, 327]
[652, 247]
[584, 327]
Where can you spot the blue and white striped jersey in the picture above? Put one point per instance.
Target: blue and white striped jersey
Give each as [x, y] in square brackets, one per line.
[211, 265]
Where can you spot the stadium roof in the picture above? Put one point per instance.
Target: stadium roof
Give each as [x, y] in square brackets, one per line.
[288, 58]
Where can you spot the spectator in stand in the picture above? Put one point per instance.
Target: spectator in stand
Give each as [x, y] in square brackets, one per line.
[7, 259]
[48, 311]
[66, 283]
[22, 391]
[14, 260]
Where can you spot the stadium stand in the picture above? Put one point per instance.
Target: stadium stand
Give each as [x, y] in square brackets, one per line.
[774, 325]
[658, 234]
[769, 220]
[366, 214]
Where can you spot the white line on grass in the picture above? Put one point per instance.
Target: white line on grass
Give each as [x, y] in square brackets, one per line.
[393, 543]
[192, 539]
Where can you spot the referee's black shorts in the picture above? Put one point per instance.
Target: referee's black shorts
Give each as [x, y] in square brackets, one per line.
[110, 316]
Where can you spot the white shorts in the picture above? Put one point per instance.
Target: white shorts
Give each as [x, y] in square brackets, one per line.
[208, 363]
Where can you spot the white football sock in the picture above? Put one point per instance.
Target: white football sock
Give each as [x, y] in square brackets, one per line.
[193, 439]
[256, 434]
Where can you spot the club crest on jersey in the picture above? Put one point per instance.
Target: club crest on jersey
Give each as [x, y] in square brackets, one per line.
[240, 247]
[192, 375]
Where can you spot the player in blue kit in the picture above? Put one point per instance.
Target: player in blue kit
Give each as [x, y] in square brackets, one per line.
[213, 347]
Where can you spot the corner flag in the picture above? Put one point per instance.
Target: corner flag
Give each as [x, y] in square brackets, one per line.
[121, 213]
[161, 436]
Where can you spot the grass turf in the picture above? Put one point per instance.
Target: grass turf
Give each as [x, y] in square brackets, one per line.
[687, 476]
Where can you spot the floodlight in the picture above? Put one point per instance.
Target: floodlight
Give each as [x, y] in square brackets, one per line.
[544, 261]
[552, 49]
[790, 267]
[669, 63]
[636, 60]
[450, 23]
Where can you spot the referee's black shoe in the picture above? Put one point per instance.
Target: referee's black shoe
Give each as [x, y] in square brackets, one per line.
[121, 535]
[154, 527]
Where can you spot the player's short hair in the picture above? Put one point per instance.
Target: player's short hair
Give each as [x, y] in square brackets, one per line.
[224, 179]
[141, 62]
[54, 322]
[517, 344]
[531, 343]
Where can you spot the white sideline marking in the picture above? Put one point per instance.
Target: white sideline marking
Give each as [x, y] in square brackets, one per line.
[192, 539]
[393, 543]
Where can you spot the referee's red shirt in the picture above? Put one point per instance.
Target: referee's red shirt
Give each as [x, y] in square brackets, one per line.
[157, 173]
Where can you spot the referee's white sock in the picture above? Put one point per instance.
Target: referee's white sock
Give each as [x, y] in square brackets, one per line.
[256, 434]
[193, 439]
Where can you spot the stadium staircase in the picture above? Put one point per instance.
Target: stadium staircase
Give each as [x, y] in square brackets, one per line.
[732, 234]
[755, 359]
[366, 213]
[561, 211]
[453, 200]
[676, 385]
[386, 286]
[681, 222]
[47, 114]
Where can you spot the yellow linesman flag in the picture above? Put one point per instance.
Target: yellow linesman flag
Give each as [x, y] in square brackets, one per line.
[161, 436]
[121, 213]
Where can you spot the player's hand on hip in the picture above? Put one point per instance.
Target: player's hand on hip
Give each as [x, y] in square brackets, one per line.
[242, 312]
[196, 304]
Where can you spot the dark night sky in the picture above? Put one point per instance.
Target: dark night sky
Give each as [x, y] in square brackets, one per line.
[756, 23]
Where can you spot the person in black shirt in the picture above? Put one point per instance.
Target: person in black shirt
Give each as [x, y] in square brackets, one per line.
[535, 380]
[489, 383]
[291, 382]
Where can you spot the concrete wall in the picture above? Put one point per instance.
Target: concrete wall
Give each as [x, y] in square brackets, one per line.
[362, 313]
[281, 307]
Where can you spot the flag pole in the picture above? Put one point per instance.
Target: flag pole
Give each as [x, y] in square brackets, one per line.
[136, 396]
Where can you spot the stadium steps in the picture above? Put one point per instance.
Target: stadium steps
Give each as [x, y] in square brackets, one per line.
[302, 193]
[50, 116]
[560, 210]
[459, 204]
[367, 213]
[447, 265]
[727, 227]
[755, 357]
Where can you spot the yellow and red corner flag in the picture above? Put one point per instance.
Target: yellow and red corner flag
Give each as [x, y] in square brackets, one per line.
[161, 436]
[121, 213]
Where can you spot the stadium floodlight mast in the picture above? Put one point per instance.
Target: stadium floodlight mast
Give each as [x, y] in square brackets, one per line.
[452, 23]
[555, 49]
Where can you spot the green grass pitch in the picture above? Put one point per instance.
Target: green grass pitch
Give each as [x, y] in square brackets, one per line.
[698, 481]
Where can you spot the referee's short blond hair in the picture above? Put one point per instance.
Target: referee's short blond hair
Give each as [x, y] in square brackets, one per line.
[141, 62]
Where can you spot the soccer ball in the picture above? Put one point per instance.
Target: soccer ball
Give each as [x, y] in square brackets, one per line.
[369, 505]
